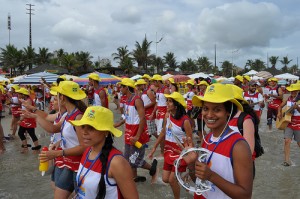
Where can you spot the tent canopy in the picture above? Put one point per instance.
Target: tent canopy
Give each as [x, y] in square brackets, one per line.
[287, 76]
[197, 75]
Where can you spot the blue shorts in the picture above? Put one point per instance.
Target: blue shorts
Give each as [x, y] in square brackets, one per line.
[64, 178]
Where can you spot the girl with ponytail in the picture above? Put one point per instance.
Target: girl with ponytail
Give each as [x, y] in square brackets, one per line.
[103, 171]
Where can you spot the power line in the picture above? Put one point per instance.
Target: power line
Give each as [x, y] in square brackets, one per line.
[30, 13]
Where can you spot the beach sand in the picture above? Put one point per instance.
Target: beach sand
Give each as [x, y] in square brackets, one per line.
[20, 177]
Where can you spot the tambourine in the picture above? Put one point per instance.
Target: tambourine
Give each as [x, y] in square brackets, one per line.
[199, 186]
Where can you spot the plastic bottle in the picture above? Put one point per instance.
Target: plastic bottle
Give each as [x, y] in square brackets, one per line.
[137, 144]
[44, 166]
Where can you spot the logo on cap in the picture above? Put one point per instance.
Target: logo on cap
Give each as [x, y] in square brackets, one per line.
[91, 114]
[74, 90]
[211, 89]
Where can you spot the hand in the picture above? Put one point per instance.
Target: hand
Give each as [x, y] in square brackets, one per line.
[150, 155]
[192, 156]
[27, 114]
[203, 171]
[27, 104]
[134, 139]
[45, 156]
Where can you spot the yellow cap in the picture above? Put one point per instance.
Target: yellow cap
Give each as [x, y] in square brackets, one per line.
[237, 92]
[247, 77]
[240, 78]
[171, 80]
[127, 82]
[140, 82]
[203, 82]
[190, 81]
[2, 89]
[273, 79]
[63, 77]
[94, 76]
[293, 87]
[16, 87]
[100, 118]
[157, 77]
[70, 89]
[177, 97]
[23, 91]
[217, 93]
[146, 76]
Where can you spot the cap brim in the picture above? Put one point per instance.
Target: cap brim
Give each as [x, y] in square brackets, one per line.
[198, 101]
[114, 131]
[81, 95]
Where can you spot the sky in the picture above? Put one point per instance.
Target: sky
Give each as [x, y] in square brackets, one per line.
[240, 30]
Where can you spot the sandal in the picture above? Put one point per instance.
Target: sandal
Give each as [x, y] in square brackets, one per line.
[139, 179]
[286, 164]
[153, 168]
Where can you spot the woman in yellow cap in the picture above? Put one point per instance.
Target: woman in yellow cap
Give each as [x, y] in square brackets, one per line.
[103, 171]
[177, 126]
[27, 124]
[15, 109]
[69, 95]
[229, 164]
[274, 98]
[293, 128]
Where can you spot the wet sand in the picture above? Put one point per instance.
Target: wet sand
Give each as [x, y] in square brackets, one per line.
[21, 179]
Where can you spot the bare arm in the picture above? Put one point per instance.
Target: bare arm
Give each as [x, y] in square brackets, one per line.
[102, 95]
[120, 170]
[152, 98]
[249, 130]
[141, 111]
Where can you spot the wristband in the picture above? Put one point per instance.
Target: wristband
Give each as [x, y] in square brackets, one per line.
[34, 110]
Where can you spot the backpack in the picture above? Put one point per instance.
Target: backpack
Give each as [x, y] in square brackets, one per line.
[259, 150]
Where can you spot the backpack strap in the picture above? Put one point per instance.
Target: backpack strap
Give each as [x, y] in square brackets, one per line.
[241, 121]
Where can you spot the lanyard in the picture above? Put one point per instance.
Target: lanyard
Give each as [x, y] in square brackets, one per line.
[221, 138]
[63, 125]
[79, 181]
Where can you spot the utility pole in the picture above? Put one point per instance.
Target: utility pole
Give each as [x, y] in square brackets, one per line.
[30, 13]
[156, 42]
[8, 27]
[215, 55]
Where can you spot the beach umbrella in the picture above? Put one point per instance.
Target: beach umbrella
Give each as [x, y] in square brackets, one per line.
[198, 75]
[180, 78]
[264, 74]
[3, 79]
[251, 73]
[167, 76]
[106, 79]
[136, 77]
[35, 78]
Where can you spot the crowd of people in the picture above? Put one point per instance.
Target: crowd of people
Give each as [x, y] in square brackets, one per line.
[222, 118]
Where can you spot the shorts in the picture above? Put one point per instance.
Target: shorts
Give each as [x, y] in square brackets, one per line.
[64, 178]
[271, 114]
[135, 156]
[171, 167]
[290, 134]
[151, 127]
[159, 125]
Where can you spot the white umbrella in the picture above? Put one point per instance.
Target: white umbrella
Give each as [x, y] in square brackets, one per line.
[251, 72]
[198, 75]
[136, 77]
[167, 76]
[287, 76]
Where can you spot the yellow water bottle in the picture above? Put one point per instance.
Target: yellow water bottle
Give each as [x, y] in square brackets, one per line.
[44, 166]
[137, 144]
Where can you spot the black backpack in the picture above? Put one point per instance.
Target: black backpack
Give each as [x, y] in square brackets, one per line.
[259, 150]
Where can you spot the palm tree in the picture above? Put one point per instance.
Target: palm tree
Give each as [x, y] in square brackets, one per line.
[293, 69]
[8, 57]
[58, 56]
[203, 64]
[127, 65]
[29, 57]
[83, 60]
[121, 55]
[258, 65]
[69, 62]
[273, 61]
[285, 62]
[142, 54]
[159, 63]
[170, 61]
[227, 68]
[248, 64]
[44, 56]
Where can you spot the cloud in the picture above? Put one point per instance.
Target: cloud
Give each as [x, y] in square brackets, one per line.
[128, 14]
